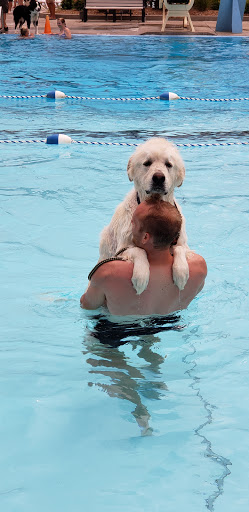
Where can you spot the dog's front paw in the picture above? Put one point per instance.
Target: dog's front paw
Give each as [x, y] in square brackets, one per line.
[180, 275]
[140, 280]
[141, 270]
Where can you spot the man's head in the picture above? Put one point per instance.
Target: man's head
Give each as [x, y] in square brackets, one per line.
[24, 32]
[156, 222]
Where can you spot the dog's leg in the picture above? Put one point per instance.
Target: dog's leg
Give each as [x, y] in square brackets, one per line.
[36, 27]
[141, 271]
[180, 267]
[118, 233]
[180, 264]
[20, 22]
[107, 247]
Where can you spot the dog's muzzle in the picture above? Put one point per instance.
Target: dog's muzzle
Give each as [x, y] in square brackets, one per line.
[158, 184]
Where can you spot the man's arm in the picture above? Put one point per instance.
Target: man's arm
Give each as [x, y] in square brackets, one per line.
[104, 287]
[94, 296]
[198, 271]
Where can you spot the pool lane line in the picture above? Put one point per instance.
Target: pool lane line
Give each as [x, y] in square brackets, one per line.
[18, 97]
[68, 140]
[20, 141]
[22, 97]
[181, 145]
[212, 99]
[166, 96]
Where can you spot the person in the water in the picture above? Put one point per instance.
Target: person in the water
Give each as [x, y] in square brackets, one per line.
[64, 31]
[155, 227]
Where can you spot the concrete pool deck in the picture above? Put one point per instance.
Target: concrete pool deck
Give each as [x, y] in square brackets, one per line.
[204, 25]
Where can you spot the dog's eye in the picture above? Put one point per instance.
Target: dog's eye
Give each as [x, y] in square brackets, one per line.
[168, 164]
[147, 163]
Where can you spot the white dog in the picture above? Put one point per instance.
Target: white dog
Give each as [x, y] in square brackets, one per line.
[156, 167]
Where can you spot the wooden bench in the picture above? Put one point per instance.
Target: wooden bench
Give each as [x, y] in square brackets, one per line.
[112, 6]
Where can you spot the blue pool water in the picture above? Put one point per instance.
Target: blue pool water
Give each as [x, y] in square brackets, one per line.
[161, 422]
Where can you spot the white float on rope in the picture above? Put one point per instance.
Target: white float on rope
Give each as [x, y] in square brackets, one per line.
[58, 138]
[168, 96]
[56, 95]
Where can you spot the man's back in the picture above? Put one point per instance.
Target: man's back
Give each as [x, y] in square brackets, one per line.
[161, 296]
[156, 228]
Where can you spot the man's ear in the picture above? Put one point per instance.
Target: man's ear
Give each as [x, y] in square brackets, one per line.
[130, 169]
[146, 237]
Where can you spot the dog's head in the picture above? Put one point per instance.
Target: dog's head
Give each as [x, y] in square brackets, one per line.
[156, 167]
[33, 5]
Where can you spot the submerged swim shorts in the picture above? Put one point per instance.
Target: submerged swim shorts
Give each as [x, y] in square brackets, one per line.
[116, 334]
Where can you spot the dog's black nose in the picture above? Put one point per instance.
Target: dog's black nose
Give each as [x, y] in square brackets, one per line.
[158, 179]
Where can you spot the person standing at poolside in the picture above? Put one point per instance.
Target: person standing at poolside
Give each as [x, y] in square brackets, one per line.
[64, 31]
[17, 2]
[5, 7]
[51, 7]
[156, 226]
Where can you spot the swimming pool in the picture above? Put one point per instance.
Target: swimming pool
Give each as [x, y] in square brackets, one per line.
[159, 423]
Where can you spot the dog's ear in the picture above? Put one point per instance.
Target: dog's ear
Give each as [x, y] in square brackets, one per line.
[181, 176]
[130, 169]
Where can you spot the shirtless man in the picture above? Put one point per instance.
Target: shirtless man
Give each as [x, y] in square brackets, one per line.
[155, 227]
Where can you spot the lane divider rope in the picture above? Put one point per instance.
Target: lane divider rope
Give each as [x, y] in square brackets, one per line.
[23, 97]
[20, 141]
[113, 99]
[79, 97]
[98, 143]
[212, 99]
[166, 96]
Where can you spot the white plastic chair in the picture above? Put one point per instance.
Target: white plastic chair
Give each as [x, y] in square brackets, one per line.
[177, 11]
[44, 6]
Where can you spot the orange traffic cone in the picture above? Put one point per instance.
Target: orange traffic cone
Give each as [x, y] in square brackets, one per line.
[47, 29]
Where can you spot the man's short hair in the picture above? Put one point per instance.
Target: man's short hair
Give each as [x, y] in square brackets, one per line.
[24, 32]
[162, 221]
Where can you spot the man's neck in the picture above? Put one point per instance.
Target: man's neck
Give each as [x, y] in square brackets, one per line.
[156, 257]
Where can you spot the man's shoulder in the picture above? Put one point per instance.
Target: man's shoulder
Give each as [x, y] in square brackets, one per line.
[197, 266]
[113, 269]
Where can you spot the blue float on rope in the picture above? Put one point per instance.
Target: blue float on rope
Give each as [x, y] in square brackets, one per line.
[58, 138]
[55, 95]
[168, 96]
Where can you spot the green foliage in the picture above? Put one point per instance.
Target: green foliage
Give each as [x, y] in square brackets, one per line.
[201, 5]
[78, 5]
[214, 4]
[67, 4]
[73, 4]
